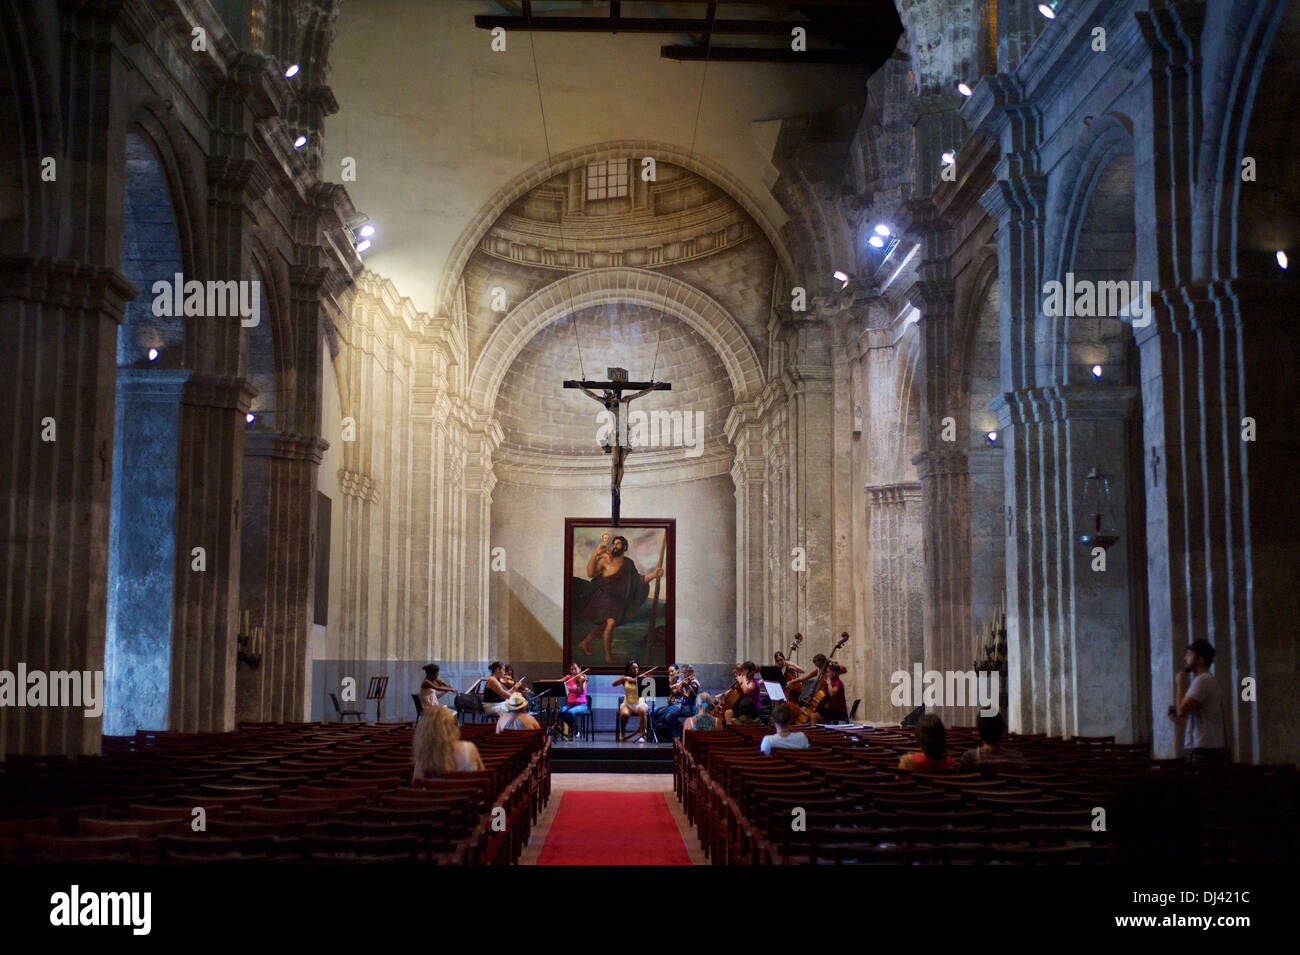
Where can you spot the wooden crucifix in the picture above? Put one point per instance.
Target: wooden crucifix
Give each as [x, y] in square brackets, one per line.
[613, 400]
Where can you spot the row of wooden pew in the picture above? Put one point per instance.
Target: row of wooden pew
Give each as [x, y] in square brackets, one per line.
[1081, 800]
[298, 793]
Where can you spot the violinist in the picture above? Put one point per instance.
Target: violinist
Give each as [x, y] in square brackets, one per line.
[495, 689]
[575, 701]
[790, 673]
[432, 687]
[749, 685]
[632, 703]
[682, 689]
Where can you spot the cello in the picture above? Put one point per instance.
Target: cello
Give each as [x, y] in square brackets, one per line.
[727, 700]
[806, 712]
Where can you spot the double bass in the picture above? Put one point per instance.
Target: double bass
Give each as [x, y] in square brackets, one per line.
[811, 699]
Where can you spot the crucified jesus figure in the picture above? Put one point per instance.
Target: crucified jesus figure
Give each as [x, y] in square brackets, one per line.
[615, 403]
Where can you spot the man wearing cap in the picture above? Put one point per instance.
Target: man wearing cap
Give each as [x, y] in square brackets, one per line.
[1200, 706]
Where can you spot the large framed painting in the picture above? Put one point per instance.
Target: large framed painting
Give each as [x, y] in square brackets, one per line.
[619, 593]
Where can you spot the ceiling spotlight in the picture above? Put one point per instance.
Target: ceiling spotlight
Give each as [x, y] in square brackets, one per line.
[1049, 9]
[363, 245]
[153, 354]
[1096, 371]
[367, 230]
[882, 229]
[291, 72]
[876, 242]
[992, 436]
[948, 158]
[250, 417]
[963, 89]
[300, 142]
[1281, 260]
[840, 276]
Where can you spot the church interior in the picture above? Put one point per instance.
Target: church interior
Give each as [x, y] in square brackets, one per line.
[957, 327]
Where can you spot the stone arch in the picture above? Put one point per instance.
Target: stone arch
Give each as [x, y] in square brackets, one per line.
[29, 122]
[574, 158]
[1262, 39]
[1091, 166]
[608, 286]
[1265, 213]
[984, 283]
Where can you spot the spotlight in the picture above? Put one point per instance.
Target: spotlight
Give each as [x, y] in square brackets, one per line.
[367, 230]
[948, 158]
[1049, 9]
[300, 142]
[291, 72]
[963, 89]
[840, 276]
[1096, 371]
[882, 229]
[153, 354]
[363, 245]
[249, 418]
[876, 242]
[1281, 260]
[992, 436]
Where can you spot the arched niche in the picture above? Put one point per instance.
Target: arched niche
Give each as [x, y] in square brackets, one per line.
[137, 657]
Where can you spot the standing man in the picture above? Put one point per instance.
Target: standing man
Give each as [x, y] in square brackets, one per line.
[615, 591]
[1200, 707]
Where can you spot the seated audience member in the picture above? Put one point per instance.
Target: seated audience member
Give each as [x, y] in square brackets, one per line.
[437, 747]
[782, 714]
[933, 740]
[516, 716]
[991, 754]
[744, 714]
[703, 719]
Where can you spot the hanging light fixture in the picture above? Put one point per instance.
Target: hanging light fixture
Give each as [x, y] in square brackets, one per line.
[1098, 516]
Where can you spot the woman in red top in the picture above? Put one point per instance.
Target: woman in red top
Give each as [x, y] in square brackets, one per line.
[933, 740]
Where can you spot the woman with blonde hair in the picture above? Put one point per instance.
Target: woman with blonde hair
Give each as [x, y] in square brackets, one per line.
[437, 747]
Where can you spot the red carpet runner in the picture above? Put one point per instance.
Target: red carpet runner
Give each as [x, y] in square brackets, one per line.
[593, 828]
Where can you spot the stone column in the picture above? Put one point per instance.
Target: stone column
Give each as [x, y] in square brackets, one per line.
[749, 474]
[205, 603]
[943, 470]
[893, 525]
[58, 351]
[808, 392]
[480, 480]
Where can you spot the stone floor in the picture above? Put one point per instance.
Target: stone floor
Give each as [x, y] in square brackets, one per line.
[612, 782]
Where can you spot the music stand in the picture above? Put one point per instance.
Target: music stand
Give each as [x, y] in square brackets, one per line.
[549, 691]
[377, 690]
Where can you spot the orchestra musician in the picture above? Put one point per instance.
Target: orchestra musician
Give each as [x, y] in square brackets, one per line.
[790, 673]
[575, 701]
[834, 708]
[632, 703]
[682, 690]
[432, 687]
[495, 689]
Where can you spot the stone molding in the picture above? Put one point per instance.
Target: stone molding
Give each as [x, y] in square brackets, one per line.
[644, 468]
[941, 462]
[358, 485]
[64, 284]
[882, 495]
[1061, 403]
[219, 391]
